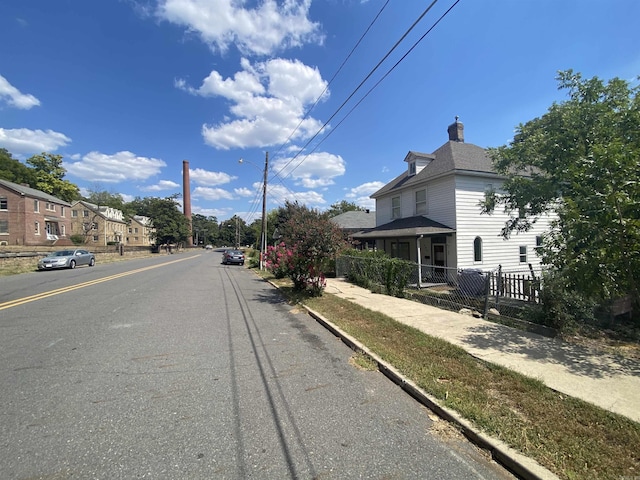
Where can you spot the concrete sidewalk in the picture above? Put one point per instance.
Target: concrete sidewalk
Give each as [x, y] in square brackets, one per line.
[610, 382]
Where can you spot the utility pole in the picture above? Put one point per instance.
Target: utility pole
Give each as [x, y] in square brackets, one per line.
[263, 234]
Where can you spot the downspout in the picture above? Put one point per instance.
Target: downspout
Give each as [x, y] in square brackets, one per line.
[419, 261]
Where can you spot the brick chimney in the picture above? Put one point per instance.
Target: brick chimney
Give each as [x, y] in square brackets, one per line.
[186, 193]
[456, 131]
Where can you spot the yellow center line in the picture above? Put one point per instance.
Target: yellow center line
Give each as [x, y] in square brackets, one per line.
[51, 293]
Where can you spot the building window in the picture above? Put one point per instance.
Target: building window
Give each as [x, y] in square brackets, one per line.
[74, 213]
[4, 227]
[37, 228]
[395, 207]
[63, 230]
[85, 213]
[95, 238]
[421, 202]
[61, 211]
[50, 206]
[523, 254]
[412, 168]
[36, 206]
[477, 249]
[538, 244]
[135, 230]
[4, 205]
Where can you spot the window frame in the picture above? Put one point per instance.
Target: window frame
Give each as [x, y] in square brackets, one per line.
[4, 201]
[477, 249]
[396, 210]
[522, 255]
[423, 203]
[4, 230]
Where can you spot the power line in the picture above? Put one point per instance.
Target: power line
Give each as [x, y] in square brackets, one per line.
[359, 86]
[374, 87]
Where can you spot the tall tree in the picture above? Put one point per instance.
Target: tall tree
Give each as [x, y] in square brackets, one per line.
[15, 171]
[342, 207]
[170, 224]
[99, 196]
[583, 162]
[50, 176]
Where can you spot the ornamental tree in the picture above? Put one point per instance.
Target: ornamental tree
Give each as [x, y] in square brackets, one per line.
[581, 160]
[310, 241]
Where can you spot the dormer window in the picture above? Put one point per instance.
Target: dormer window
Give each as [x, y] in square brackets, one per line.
[412, 168]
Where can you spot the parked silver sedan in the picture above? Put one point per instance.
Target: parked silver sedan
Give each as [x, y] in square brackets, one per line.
[67, 259]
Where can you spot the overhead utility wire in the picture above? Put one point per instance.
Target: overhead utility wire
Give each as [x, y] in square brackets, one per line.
[358, 88]
[276, 174]
[334, 76]
[376, 85]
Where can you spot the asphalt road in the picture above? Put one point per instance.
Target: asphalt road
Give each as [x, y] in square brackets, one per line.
[177, 367]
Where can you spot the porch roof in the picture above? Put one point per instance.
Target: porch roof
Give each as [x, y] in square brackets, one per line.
[406, 227]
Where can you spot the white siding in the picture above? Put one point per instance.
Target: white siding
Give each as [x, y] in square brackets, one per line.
[470, 224]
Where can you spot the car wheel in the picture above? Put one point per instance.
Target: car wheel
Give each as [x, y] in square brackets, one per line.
[72, 264]
[241, 263]
[92, 262]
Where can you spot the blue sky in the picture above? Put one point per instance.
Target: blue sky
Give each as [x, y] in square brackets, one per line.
[126, 90]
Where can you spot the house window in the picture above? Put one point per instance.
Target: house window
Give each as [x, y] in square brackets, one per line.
[37, 228]
[135, 230]
[63, 230]
[85, 213]
[3, 203]
[36, 206]
[412, 168]
[477, 249]
[50, 206]
[74, 213]
[4, 227]
[421, 202]
[61, 211]
[95, 238]
[395, 207]
[523, 254]
[538, 243]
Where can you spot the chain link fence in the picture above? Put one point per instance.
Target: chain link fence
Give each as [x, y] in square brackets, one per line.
[500, 295]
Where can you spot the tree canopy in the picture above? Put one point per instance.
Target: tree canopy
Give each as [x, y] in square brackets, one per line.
[15, 171]
[343, 207]
[171, 226]
[49, 174]
[581, 160]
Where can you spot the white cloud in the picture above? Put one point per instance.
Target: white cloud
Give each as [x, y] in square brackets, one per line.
[269, 100]
[280, 194]
[161, 185]
[364, 190]
[259, 31]
[23, 140]
[244, 192]
[210, 212]
[208, 193]
[15, 98]
[313, 171]
[119, 167]
[209, 179]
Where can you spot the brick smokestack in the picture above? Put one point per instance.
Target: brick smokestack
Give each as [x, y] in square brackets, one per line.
[186, 196]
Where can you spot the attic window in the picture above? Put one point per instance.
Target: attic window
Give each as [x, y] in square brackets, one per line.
[412, 168]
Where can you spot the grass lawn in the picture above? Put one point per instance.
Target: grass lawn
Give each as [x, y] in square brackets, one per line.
[568, 436]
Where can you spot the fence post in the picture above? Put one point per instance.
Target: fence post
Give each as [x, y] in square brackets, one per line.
[487, 290]
[498, 287]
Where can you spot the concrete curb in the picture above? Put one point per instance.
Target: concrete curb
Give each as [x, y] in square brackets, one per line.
[522, 466]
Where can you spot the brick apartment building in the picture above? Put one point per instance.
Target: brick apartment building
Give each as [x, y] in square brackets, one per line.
[31, 217]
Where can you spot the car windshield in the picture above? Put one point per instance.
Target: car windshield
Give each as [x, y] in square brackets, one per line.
[64, 253]
[234, 252]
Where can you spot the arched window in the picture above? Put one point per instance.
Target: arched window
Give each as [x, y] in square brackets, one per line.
[477, 249]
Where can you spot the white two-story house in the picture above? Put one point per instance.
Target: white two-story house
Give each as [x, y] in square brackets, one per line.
[430, 214]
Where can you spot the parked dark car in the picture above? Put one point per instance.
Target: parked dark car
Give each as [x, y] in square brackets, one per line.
[233, 256]
[67, 259]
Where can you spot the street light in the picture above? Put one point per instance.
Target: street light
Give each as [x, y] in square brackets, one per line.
[263, 232]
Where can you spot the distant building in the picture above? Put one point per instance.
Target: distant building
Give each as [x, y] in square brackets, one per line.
[139, 231]
[99, 225]
[355, 221]
[31, 217]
